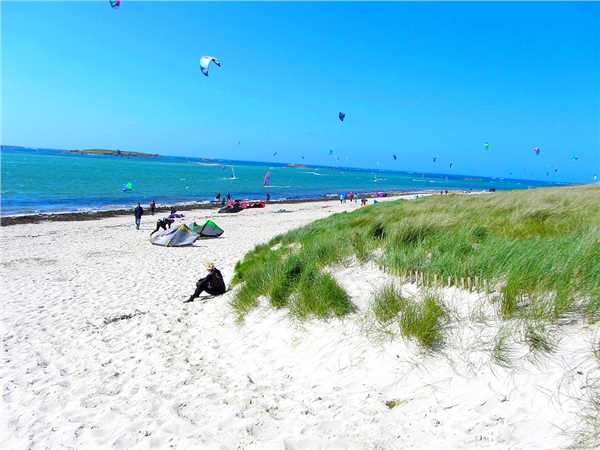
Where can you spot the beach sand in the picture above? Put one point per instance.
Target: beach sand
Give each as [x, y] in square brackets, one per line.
[98, 351]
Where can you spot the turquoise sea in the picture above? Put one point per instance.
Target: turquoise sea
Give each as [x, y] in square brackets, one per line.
[35, 181]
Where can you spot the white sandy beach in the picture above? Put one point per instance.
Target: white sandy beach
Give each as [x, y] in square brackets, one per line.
[174, 375]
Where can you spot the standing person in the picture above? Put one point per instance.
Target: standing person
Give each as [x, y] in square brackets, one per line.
[341, 198]
[212, 283]
[268, 197]
[350, 196]
[222, 202]
[152, 207]
[228, 197]
[138, 212]
[218, 198]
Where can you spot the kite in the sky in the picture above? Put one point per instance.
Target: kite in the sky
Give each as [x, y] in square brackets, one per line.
[575, 158]
[128, 187]
[274, 153]
[395, 157]
[434, 158]
[114, 4]
[486, 146]
[451, 164]
[330, 152]
[536, 150]
[342, 116]
[267, 178]
[205, 62]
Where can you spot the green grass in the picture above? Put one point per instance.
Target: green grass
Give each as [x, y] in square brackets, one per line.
[292, 278]
[502, 352]
[420, 320]
[388, 304]
[320, 296]
[539, 248]
[423, 321]
[538, 337]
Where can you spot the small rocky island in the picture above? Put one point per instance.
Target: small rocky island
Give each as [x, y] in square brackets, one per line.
[122, 153]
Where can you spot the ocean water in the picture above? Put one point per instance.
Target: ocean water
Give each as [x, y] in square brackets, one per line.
[55, 181]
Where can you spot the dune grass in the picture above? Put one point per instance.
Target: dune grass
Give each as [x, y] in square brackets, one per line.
[588, 435]
[502, 353]
[388, 304]
[539, 248]
[535, 252]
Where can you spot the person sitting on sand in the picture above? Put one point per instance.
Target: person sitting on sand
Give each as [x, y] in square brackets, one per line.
[163, 223]
[212, 283]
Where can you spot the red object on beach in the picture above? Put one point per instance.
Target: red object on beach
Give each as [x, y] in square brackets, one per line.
[248, 204]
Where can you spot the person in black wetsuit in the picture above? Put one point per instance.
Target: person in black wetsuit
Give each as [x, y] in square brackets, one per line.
[138, 212]
[213, 284]
[163, 223]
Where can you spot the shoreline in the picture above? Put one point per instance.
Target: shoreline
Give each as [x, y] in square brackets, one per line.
[206, 204]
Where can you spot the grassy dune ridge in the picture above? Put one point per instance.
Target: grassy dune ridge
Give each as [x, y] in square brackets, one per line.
[538, 249]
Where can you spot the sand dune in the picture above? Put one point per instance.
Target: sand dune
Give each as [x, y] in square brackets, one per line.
[98, 351]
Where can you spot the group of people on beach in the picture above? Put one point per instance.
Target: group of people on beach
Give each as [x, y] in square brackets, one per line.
[222, 201]
[229, 202]
[213, 282]
[353, 198]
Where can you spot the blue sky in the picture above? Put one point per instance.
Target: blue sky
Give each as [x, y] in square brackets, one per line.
[415, 79]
